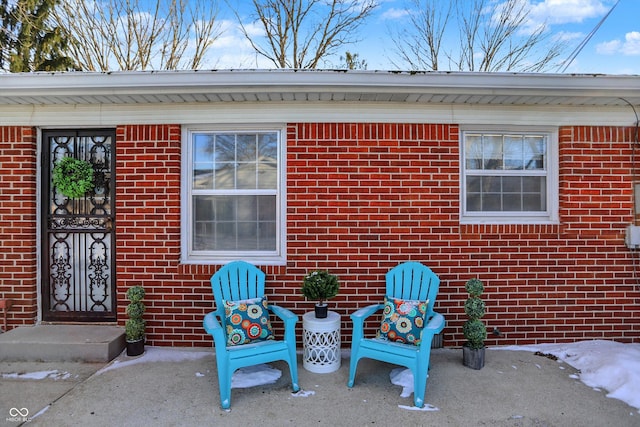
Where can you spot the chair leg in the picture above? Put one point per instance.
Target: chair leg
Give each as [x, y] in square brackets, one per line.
[420, 377]
[293, 371]
[419, 388]
[224, 381]
[353, 364]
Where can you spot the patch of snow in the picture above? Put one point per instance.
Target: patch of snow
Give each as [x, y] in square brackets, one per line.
[252, 376]
[39, 375]
[404, 378]
[607, 365]
[40, 412]
[155, 354]
[425, 408]
[303, 393]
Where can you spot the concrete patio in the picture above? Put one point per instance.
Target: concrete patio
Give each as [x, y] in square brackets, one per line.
[174, 387]
[50, 343]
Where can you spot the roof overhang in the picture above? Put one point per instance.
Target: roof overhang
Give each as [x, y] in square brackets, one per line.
[290, 86]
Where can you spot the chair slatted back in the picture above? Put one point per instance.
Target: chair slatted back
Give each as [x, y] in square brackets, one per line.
[235, 281]
[415, 281]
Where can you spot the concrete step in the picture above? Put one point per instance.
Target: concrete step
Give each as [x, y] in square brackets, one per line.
[62, 343]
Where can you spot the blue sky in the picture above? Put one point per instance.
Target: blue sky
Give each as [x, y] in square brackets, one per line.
[614, 49]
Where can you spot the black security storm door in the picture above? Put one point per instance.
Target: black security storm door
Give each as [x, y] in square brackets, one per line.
[78, 247]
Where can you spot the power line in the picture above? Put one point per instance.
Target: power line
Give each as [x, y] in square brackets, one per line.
[584, 42]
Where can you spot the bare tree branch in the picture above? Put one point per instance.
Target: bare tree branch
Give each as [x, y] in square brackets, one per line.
[137, 34]
[302, 33]
[493, 36]
[419, 43]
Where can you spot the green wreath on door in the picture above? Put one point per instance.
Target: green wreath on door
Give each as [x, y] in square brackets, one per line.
[73, 177]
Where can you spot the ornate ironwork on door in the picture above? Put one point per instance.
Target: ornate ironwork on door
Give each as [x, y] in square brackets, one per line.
[78, 237]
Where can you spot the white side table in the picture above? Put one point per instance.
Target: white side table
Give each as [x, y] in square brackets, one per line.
[321, 342]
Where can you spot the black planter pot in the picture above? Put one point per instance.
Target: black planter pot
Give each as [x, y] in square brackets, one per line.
[321, 311]
[473, 358]
[135, 348]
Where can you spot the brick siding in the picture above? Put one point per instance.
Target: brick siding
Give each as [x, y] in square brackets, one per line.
[18, 256]
[362, 198]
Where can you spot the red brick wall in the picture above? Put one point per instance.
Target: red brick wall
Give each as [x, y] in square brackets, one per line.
[362, 198]
[18, 223]
[148, 237]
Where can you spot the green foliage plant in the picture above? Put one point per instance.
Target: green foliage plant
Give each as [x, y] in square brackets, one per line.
[30, 39]
[135, 293]
[474, 329]
[320, 286]
[135, 326]
[73, 177]
[134, 329]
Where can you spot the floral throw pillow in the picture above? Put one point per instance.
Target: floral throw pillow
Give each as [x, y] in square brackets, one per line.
[403, 320]
[247, 321]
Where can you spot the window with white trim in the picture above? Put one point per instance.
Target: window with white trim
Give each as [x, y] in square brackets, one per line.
[509, 177]
[234, 202]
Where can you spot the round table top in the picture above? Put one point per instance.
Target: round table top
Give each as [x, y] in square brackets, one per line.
[310, 318]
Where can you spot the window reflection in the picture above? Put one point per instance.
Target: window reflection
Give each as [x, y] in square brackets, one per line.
[505, 172]
[227, 168]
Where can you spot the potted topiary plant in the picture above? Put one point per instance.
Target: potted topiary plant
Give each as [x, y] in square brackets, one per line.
[474, 329]
[319, 285]
[135, 326]
[73, 177]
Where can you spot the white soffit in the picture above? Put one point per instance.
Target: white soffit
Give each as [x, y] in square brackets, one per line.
[314, 85]
[191, 96]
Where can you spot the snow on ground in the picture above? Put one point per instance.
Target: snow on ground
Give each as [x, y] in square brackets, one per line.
[255, 375]
[244, 377]
[155, 354]
[39, 375]
[608, 365]
[404, 378]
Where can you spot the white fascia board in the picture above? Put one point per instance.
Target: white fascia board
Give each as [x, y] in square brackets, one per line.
[342, 112]
[260, 81]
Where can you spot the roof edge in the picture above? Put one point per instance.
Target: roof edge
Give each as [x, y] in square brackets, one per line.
[75, 83]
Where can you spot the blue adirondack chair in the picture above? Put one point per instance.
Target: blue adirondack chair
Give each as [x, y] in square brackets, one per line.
[236, 281]
[407, 281]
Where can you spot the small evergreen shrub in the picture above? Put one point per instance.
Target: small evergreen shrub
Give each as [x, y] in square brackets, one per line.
[320, 286]
[134, 327]
[474, 329]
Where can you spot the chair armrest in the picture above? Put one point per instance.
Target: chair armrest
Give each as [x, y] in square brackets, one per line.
[283, 313]
[358, 317]
[290, 320]
[213, 327]
[436, 323]
[434, 326]
[362, 314]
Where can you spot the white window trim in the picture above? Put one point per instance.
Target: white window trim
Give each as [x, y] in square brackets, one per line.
[550, 216]
[277, 257]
